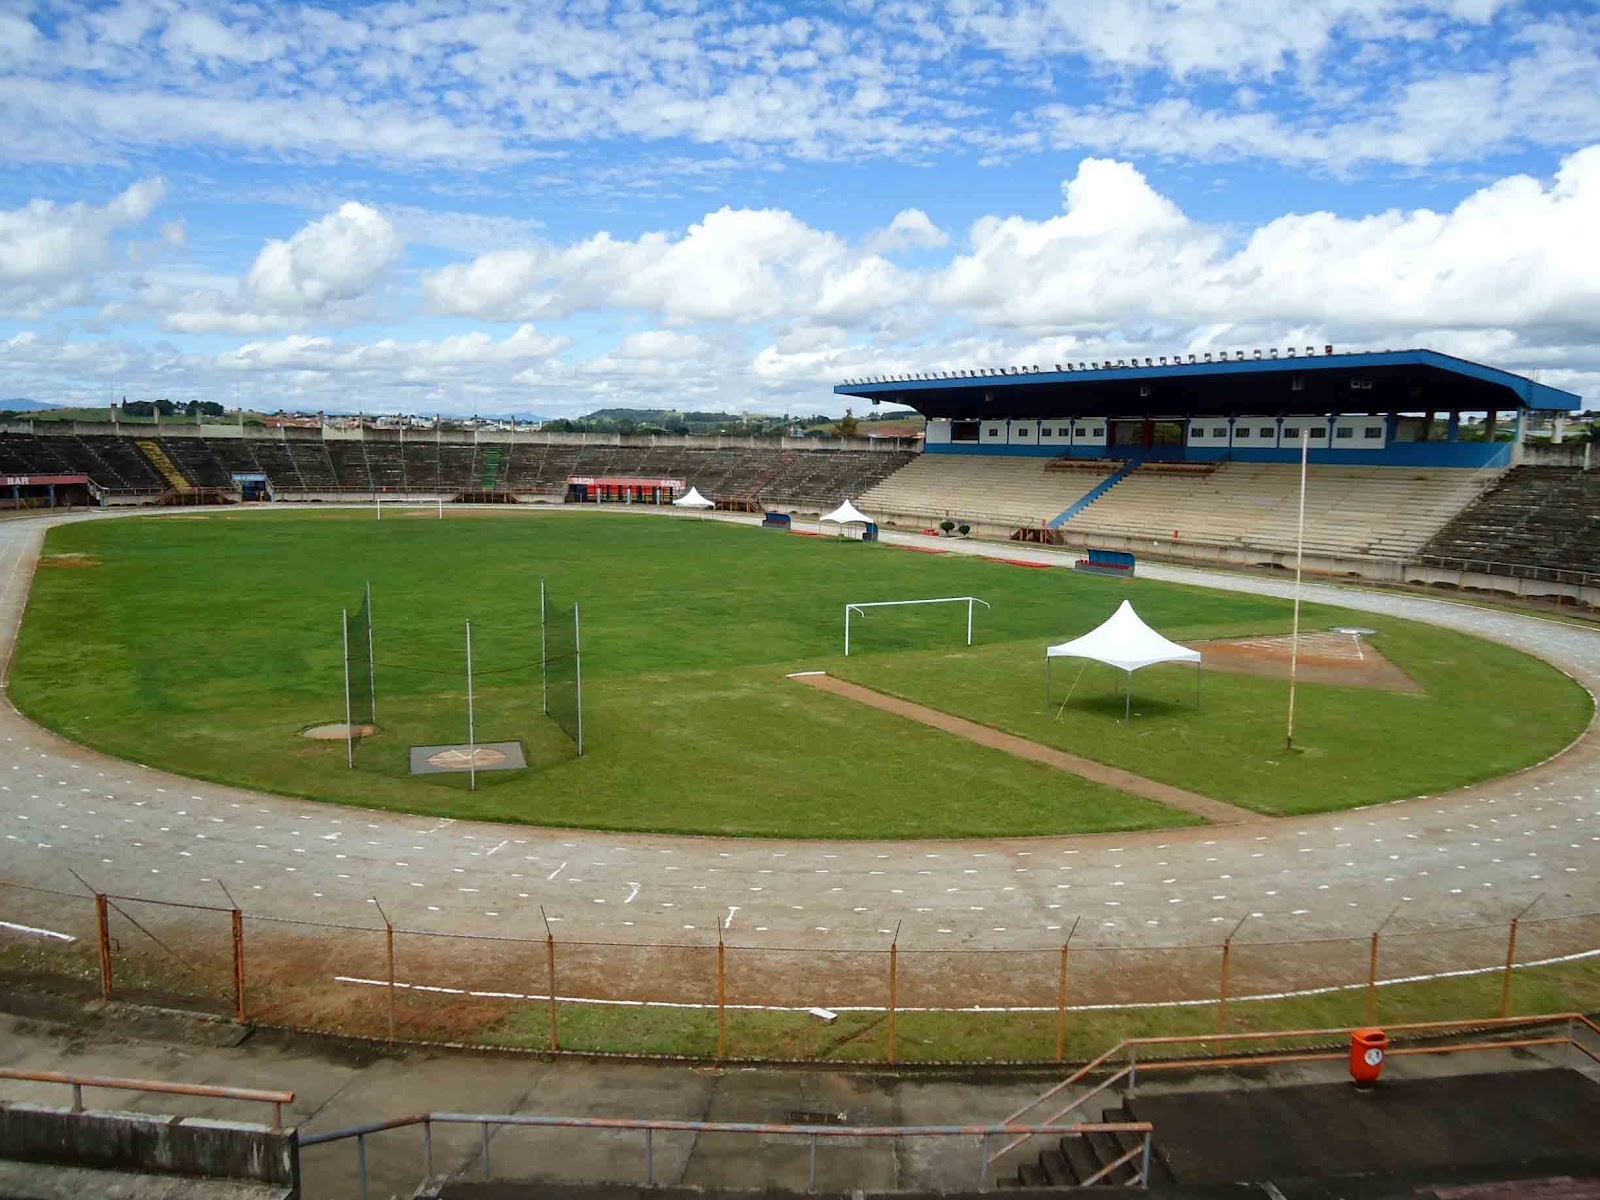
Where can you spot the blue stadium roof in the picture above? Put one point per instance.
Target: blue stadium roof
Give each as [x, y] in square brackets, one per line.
[1382, 381]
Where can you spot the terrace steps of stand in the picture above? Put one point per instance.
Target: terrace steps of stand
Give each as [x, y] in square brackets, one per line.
[165, 467]
[1021, 491]
[1069, 1161]
[432, 466]
[1355, 511]
[1533, 517]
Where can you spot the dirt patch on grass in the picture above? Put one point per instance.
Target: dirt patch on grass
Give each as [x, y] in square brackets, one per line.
[1327, 657]
[68, 560]
[337, 732]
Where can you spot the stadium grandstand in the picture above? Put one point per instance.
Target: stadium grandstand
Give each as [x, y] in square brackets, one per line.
[1201, 460]
[57, 463]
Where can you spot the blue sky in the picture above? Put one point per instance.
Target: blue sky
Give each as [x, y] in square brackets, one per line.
[443, 206]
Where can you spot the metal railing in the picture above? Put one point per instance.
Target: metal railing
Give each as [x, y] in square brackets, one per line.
[1129, 1049]
[78, 1082]
[1482, 566]
[814, 1133]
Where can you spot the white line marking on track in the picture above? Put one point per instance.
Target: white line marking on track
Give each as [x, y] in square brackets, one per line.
[47, 933]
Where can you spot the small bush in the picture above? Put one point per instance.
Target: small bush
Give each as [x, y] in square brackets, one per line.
[964, 529]
[947, 526]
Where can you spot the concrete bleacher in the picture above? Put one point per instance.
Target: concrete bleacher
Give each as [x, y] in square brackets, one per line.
[985, 489]
[1377, 512]
[1534, 517]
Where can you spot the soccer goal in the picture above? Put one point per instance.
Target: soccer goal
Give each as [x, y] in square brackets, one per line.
[859, 610]
[434, 502]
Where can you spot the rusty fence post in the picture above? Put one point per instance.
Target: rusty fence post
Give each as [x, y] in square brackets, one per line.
[1222, 986]
[237, 922]
[1511, 962]
[550, 960]
[1511, 957]
[238, 967]
[894, 991]
[1061, 995]
[722, 993]
[102, 916]
[1372, 979]
[388, 944]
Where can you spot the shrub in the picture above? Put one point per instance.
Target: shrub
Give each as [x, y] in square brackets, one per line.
[964, 529]
[947, 526]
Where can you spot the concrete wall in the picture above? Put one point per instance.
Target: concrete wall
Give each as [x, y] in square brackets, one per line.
[125, 1141]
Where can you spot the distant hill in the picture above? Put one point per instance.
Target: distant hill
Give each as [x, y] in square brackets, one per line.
[20, 404]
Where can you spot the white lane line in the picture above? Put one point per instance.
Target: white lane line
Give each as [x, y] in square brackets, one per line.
[973, 1008]
[556, 872]
[632, 894]
[47, 933]
[501, 846]
[728, 921]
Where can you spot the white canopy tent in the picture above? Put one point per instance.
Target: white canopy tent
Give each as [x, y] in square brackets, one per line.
[693, 499]
[1123, 641]
[846, 514]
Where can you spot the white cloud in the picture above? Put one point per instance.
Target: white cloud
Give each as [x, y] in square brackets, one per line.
[50, 253]
[911, 229]
[323, 273]
[741, 265]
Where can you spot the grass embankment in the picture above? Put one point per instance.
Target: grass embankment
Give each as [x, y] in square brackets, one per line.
[205, 643]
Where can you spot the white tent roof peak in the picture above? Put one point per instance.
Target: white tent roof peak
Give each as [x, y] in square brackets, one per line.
[1124, 641]
[692, 499]
[848, 514]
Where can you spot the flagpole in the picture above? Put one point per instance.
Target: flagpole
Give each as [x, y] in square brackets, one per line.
[472, 724]
[1299, 555]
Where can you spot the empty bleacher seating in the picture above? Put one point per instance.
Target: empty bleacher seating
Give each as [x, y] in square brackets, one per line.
[1534, 517]
[989, 489]
[1350, 511]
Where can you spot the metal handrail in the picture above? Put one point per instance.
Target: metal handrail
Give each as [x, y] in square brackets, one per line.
[651, 1126]
[1130, 1048]
[214, 1091]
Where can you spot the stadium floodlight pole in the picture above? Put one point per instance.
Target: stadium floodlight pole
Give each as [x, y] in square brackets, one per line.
[472, 723]
[349, 729]
[1299, 554]
[544, 651]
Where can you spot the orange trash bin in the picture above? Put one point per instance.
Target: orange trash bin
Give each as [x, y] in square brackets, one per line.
[1367, 1051]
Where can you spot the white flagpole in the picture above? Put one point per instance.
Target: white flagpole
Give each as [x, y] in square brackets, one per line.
[349, 730]
[472, 724]
[1299, 552]
[372, 657]
[577, 654]
[544, 653]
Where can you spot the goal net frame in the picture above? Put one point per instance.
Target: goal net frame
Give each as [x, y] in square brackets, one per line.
[858, 610]
[407, 502]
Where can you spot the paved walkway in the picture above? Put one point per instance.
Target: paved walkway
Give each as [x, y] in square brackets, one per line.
[1215, 811]
[1476, 855]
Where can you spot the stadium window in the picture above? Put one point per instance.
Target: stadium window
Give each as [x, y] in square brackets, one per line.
[994, 433]
[1046, 432]
[1373, 431]
[1098, 431]
[1290, 431]
[963, 431]
[1318, 433]
[1344, 433]
[1220, 432]
[1268, 432]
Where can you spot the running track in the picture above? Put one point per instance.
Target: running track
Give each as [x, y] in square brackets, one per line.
[1476, 855]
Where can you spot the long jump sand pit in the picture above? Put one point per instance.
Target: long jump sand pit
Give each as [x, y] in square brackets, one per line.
[1328, 656]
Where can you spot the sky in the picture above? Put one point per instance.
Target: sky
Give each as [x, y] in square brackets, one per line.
[441, 206]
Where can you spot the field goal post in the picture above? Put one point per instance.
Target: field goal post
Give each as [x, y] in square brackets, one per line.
[378, 501]
[858, 610]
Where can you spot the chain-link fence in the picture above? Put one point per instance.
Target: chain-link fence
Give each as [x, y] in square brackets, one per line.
[723, 998]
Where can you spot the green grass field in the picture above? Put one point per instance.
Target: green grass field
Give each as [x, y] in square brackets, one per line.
[205, 643]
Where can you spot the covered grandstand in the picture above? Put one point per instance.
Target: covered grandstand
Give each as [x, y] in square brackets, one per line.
[1200, 460]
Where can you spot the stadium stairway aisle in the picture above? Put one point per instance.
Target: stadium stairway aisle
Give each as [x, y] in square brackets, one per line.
[165, 467]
